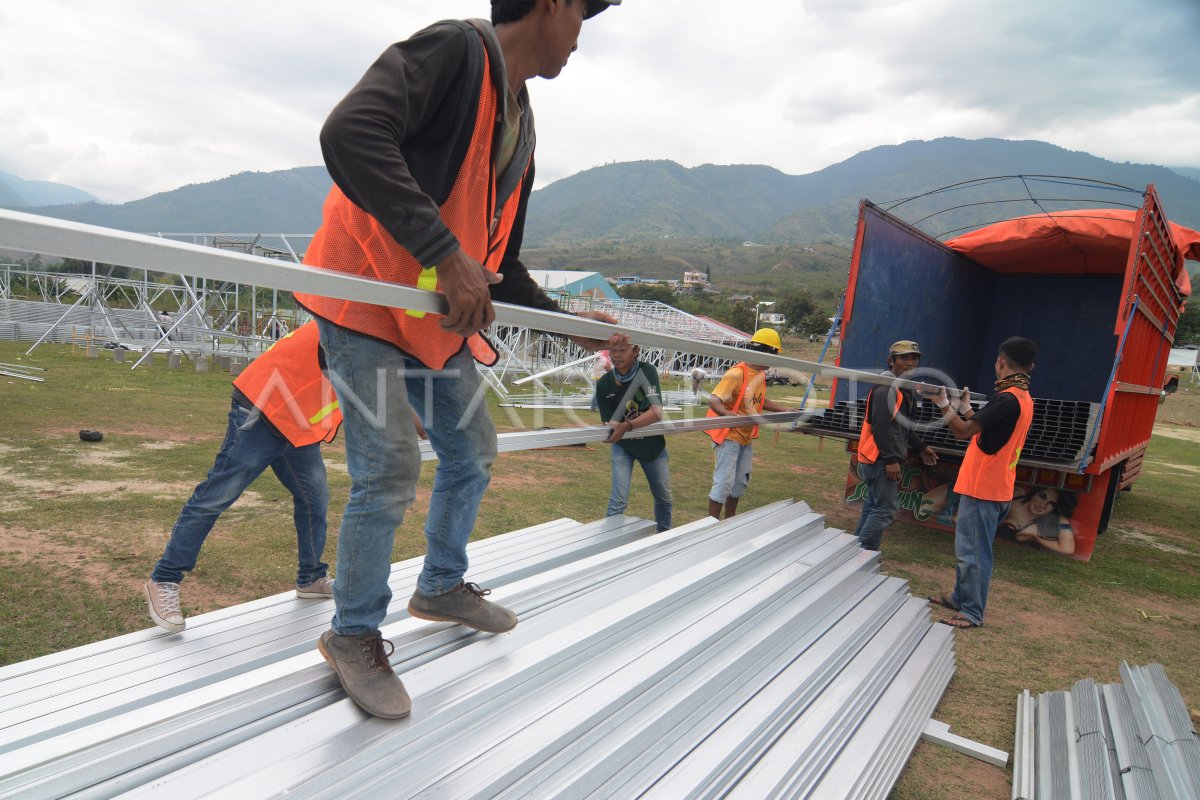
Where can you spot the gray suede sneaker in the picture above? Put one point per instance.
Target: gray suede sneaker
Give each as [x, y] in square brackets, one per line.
[361, 664]
[465, 605]
[163, 600]
[320, 589]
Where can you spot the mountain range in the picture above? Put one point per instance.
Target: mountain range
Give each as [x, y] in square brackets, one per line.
[650, 199]
[16, 192]
[656, 201]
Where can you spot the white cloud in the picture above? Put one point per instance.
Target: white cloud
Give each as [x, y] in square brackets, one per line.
[129, 97]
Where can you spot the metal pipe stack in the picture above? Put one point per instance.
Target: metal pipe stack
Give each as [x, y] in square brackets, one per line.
[1132, 740]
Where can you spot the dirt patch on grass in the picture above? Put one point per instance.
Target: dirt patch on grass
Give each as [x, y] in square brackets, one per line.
[51, 488]
[1178, 432]
[32, 547]
[35, 549]
[100, 457]
[1143, 609]
[923, 580]
[501, 483]
[1169, 466]
[936, 771]
[33, 489]
[550, 466]
[161, 445]
[1144, 533]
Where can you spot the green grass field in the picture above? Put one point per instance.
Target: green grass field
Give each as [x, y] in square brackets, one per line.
[82, 524]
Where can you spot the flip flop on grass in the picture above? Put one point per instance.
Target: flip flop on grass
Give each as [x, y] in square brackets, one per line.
[958, 621]
[943, 601]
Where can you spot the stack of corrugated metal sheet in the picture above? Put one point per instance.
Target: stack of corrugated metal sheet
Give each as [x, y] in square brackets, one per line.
[760, 656]
[1131, 740]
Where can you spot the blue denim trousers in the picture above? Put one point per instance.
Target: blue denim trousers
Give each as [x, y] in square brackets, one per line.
[731, 474]
[379, 388]
[973, 535]
[249, 448]
[880, 504]
[658, 475]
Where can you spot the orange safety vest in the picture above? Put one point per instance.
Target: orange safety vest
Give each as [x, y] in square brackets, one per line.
[719, 435]
[993, 477]
[868, 449]
[286, 384]
[352, 241]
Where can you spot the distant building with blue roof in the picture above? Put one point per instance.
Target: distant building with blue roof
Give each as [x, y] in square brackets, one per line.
[574, 283]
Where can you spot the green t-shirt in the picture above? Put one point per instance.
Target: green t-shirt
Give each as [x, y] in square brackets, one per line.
[625, 401]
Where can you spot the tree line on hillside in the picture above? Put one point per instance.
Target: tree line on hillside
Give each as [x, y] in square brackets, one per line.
[798, 307]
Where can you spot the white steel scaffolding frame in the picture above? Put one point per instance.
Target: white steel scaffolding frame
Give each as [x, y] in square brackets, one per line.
[31, 233]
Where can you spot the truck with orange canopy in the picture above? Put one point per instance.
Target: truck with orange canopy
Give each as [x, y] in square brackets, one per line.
[1099, 289]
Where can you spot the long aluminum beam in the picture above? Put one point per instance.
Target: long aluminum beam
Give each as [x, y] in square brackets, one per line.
[48, 236]
[939, 733]
[9, 374]
[562, 437]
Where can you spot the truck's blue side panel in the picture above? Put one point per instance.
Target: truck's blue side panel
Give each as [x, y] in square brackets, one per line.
[1071, 318]
[911, 287]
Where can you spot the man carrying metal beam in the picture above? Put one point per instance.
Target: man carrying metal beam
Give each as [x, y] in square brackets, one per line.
[630, 397]
[742, 391]
[431, 156]
[987, 476]
[884, 443]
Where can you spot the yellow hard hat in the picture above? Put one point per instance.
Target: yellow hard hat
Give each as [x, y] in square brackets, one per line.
[769, 337]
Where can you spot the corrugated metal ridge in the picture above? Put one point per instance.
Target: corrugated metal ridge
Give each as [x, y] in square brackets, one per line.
[471, 687]
[228, 654]
[1128, 741]
[763, 652]
[184, 696]
[153, 665]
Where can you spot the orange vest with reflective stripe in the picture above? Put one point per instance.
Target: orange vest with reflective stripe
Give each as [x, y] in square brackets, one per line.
[286, 384]
[993, 477]
[352, 241]
[719, 435]
[868, 448]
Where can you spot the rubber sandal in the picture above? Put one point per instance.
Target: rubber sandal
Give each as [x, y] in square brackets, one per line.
[958, 622]
[943, 601]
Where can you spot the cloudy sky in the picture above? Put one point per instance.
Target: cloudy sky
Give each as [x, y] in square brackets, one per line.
[124, 98]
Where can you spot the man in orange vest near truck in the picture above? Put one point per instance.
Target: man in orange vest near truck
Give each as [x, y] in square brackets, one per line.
[987, 476]
[742, 391]
[883, 445]
[431, 156]
[282, 409]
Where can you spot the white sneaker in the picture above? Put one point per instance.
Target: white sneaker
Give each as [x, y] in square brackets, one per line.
[164, 605]
[321, 589]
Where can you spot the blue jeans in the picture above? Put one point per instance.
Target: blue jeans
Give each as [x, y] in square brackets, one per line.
[731, 474]
[658, 475]
[880, 504]
[249, 448]
[973, 535]
[379, 388]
